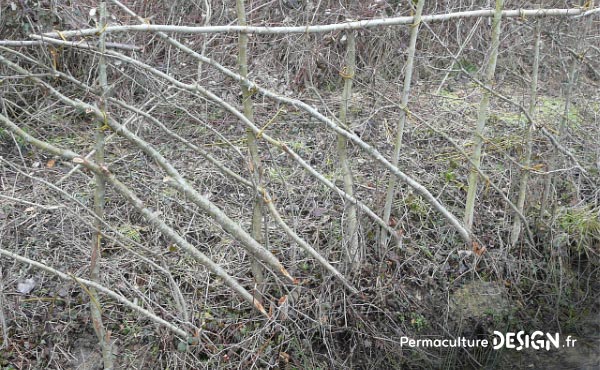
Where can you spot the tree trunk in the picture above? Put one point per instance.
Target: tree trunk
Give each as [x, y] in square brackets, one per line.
[254, 162]
[350, 226]
[482, 116]
[528, 134]
[99, 200]
[391, 191]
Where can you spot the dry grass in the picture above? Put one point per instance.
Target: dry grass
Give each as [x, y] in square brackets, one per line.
[316, 323]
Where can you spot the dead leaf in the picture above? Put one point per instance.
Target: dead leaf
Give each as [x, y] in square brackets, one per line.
[477, 249]
[282, 300]
[26, 286]
[51, 163]
[284, 356]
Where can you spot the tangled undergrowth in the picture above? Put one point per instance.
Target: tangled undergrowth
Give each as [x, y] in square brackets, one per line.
[429, 287]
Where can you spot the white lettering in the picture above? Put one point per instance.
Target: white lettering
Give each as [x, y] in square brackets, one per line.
[498, 340]
[555, 341]
[510, 340]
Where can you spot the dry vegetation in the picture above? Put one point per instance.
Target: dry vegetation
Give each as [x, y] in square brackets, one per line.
[431, 284]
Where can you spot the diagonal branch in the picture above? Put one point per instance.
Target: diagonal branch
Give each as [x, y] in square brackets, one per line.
[207, 206]
[420, 189]
[92, 284]
[138, 204]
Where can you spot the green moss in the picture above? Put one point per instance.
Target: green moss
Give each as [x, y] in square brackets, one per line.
[450, 100]
[513, 118]
[550, 108]
[132, 232]
[466, 65]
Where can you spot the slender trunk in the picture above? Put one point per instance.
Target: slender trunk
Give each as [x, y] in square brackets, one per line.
[391, 190]
[482, 116]
[562, 127]
[555, 161]
[207, 15]
[99, 200]
[516, 230]
[254, 163]
[350, 226]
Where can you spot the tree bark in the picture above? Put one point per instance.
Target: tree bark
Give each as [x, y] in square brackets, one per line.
[482, 116]
[254, 164]
[528, 137]
[391, 190]
[99, 200]
[349, 224]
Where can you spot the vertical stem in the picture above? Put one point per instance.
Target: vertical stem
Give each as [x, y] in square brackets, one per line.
[99, 200]
[568, 95]
[353, 252]
[482, 116]
[3, 326]
[207, 15]
[254, 163]
[516, 230]
[391, 190]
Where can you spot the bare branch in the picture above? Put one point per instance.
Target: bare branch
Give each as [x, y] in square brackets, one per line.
[119, 298]
[353, 25]
[148, 214]
[81, 44]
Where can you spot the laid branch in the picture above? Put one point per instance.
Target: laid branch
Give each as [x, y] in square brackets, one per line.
[234, 111]
[206, 205]
[420, 189]
[195, 88]
[215, 162]
[304, 245]
[80, 44]
[353, 25]
[138, 204]
[23, 201]
[314, 113]
[118, 238]
[119, 298]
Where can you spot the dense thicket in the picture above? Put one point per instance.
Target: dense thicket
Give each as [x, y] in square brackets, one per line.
[179, 149]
